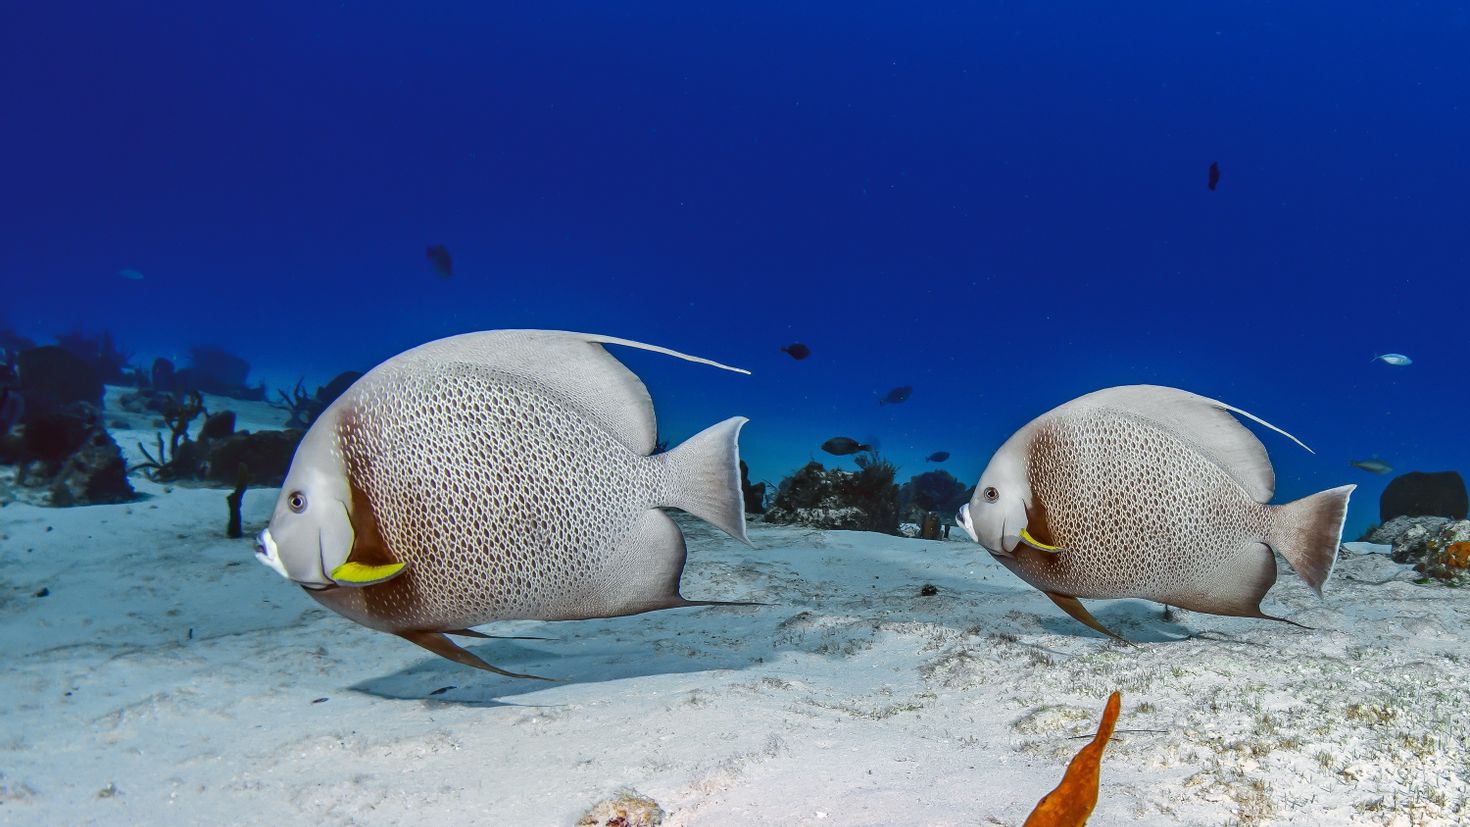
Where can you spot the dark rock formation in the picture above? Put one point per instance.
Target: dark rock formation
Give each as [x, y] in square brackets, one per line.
[266, 456]
[865, 500]
[51, 437]
[217, 371]
[217, 426]
[148, 400]
[216, 455]
[69, 454]
[755, 495]
[1424, 494]
[12, 408]
[51, 377]
[328, 393]
[99, 351]
[161, 377]
[94, 473]
[11, 344]
[217, 452]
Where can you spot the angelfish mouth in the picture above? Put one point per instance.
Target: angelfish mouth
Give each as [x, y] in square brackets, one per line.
[267, 553]
[962, 519]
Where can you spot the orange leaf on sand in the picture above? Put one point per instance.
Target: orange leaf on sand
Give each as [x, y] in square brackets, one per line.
[1072, 801]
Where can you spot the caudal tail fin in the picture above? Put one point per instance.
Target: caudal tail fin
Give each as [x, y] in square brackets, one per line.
[1308, 532]
[704, 477]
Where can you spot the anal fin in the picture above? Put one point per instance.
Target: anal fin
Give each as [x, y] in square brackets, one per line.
[1079, 613]
[442, 646]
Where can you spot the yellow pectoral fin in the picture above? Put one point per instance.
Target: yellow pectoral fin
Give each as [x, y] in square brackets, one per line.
[361, 574]
[1037, 544]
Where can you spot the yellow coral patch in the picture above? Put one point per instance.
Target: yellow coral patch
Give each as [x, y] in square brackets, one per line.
[1457, 555]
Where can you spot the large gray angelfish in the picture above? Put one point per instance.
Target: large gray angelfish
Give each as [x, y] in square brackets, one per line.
[497, 475]
[1149, 492]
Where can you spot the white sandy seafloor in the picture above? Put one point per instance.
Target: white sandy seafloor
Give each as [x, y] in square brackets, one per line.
[168, 678]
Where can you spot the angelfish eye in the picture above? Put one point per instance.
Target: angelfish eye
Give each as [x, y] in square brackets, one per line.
[297, 501]
[991, 495]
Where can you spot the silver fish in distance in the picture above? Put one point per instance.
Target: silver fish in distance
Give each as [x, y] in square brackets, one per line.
[492, 476]
[1148, 492]
[1395, 359]
[1372, 465]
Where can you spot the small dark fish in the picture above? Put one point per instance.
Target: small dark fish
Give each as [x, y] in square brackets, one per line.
[797, 351]
[1214, 175]
[438, 256]
[841, 446]
[937, 456]
[441, 690]
[320, 700]
[44, 592]
[897, 395]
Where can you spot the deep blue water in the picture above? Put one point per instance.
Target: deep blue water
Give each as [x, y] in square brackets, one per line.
[1002, 204]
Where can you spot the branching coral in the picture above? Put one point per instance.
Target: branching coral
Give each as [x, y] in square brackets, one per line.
[164, 466]
[302, 406]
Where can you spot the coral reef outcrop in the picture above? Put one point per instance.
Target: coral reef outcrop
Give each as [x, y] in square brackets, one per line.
[217, 371]
[754, 495]
[930, 500]
[862, 500]
[51, 377]
[68, 458]
[1446, 554]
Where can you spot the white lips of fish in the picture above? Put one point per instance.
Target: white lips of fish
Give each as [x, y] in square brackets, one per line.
[963, 520]
[267, 553]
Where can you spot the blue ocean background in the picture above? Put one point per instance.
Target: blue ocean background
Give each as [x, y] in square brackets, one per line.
[1003, 205]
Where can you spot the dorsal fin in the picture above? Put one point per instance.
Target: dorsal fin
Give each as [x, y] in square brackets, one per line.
[573, 365]
[1206, 423]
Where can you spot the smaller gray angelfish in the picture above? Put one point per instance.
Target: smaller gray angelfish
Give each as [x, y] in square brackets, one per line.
[1149, 492]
